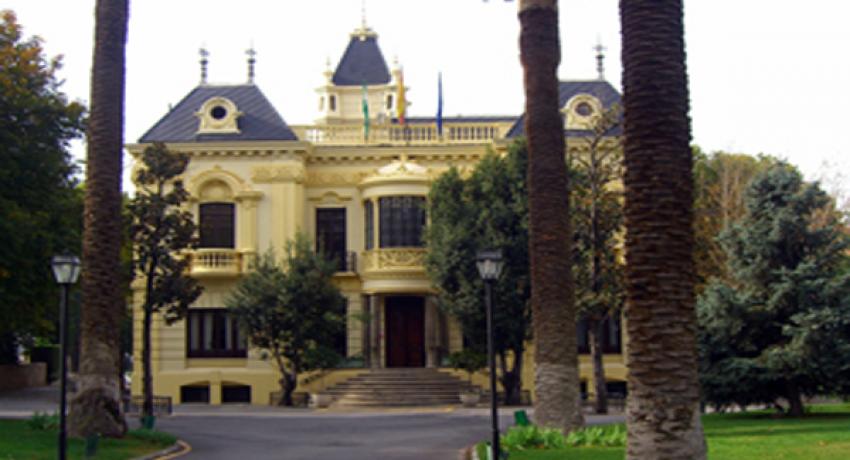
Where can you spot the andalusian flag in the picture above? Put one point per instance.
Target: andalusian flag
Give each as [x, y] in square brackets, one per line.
[440, 104]
[365, 113]
[401, 101]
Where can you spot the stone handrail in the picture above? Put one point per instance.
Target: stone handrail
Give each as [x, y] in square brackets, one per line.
[413, 134]
[216, 262]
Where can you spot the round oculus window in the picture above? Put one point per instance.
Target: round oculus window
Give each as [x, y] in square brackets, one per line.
[218, 112]
[584, 109]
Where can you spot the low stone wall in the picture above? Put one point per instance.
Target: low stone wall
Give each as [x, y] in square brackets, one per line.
[16, 377]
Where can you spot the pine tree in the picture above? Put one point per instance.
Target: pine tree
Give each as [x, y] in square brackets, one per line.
[780, 328]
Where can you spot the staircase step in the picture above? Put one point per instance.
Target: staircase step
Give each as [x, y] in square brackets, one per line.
[399, 387]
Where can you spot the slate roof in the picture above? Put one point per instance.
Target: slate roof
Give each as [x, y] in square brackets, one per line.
[259, 122]
[600, 89]
[362, 63]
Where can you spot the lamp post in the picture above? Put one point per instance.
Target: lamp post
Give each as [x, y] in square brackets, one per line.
[66, 270]
[489, 264]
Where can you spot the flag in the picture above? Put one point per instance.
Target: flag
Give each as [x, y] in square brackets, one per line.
[401, 101]
[365, 113]
[440, 104]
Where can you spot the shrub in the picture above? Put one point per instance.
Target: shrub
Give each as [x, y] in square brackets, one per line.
[533, 437]
[609, 436]
[42, 421]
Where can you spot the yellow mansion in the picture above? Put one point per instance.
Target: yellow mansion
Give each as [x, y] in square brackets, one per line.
[357, 189]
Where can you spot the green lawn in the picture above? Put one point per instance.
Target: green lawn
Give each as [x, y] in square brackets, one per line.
[19, 442]
[822, 435]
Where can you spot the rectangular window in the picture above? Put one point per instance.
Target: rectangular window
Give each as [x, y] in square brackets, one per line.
[369, 224]
[611, 335]
[330, 235]
[217, 224]
[402, 221]
[214, 333]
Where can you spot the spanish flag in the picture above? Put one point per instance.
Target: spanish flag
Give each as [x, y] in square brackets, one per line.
[401, 101]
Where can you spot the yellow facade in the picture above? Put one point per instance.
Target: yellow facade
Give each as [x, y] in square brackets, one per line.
[276, 187]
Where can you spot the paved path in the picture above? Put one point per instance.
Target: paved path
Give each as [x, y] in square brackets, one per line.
[259, 433]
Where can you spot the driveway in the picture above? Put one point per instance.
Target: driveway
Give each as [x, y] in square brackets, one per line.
[271, 433]
[260, 433]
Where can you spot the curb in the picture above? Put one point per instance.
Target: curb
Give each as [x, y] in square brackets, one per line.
[179, 449]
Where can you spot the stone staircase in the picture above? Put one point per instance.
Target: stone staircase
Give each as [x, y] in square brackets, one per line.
[396, 387]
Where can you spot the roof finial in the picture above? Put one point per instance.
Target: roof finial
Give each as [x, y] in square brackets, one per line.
[204, 54]
[600, 59]
[251, 61]
[363, 32]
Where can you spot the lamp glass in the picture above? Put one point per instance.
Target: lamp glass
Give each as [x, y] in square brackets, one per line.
[66, 268]
[489, 264]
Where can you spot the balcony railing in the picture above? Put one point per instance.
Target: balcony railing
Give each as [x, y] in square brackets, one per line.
[453, 133]
[216, 262]
[388, 260]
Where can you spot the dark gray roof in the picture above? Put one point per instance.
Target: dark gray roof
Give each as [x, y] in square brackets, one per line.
[259, 122]
[600, 89]
[362, 63]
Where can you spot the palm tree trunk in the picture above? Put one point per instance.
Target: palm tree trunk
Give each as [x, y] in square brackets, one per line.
[96, 407]
[556, 380]
[663, 406]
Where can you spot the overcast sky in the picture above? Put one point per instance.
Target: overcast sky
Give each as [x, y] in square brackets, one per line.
[766, 76]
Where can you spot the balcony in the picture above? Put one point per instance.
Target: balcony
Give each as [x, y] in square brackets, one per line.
[394, 261]
[216, 263]
[413, 134]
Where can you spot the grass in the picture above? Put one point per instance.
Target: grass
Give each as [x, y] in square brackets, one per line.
[823, 434]
[19, 441]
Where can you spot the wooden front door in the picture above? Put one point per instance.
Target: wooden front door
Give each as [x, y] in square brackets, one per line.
[405, 331]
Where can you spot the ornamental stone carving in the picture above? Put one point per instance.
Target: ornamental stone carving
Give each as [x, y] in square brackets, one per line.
[284, 173]
[390, 259]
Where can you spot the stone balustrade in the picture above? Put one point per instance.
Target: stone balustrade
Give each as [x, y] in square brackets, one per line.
[412, 134]
[209, 262]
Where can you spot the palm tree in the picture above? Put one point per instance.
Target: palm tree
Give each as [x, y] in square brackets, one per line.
[663, 407]
[96, 408]
[556, 378]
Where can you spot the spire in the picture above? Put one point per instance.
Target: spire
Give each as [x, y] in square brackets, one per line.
[363, 32]
[204, 54]
[600, 59]
[251, 61]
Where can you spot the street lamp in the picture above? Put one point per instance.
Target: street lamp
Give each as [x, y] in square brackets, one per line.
[490, 267]
[66, 270]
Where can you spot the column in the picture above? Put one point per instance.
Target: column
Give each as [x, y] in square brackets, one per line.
[432, 350]
[375, 348]
[366, 324]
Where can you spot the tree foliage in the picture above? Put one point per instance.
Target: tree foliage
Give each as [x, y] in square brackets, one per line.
[161, 230]
[720, 183]
[489, 209]
[780, 327]
[40, 209]
[293, 310]
[596, 176]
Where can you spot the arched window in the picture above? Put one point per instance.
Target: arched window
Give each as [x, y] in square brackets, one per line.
[332, 103]
[321, 103]
[389, 101]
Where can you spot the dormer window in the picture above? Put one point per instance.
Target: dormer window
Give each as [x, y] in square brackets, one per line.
[218, 115]
[581, 111]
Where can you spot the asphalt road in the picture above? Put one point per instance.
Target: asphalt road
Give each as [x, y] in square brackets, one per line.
[411, 436]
